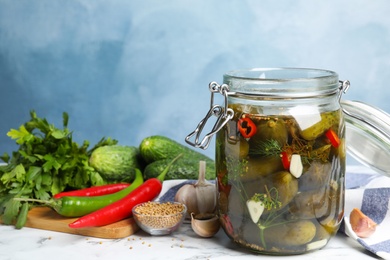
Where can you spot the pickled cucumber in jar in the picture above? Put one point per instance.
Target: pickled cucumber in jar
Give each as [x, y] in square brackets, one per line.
[285, 180]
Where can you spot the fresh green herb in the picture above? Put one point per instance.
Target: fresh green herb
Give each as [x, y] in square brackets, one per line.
[270, 199]
[269, 147]
[237, 168]
[22, 217]
[47, 162]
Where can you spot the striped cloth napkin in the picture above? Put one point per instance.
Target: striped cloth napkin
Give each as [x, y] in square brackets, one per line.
[369, 192]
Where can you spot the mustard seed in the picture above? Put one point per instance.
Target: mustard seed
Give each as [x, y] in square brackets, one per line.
[160, 215]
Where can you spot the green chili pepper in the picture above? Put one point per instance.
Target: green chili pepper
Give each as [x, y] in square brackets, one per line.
[76, 206]
[123, 208]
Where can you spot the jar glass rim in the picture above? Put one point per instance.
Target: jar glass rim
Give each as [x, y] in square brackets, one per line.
[281, 74]
[282, 82]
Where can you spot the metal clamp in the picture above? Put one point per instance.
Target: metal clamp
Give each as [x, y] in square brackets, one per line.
[344, 86]
[223, 114]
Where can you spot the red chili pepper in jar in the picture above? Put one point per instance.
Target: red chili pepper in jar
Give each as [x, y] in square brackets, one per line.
[223, 184]
[227, 224]
[286, 159]
[246, 127]
[333, 138]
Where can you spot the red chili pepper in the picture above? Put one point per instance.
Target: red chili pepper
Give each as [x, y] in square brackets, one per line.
[286, 160]
[246, 127]
[228, 225]
[223, 185]
[94, 191]
[122, 208]
[333, 138]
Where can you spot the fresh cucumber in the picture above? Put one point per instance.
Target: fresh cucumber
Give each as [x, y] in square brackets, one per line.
[115, 162]
[157, 147]
[183, 168]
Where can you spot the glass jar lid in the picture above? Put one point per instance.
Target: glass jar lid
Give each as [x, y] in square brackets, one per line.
[368, 135]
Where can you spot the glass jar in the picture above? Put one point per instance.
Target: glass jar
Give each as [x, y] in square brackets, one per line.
[280, 157]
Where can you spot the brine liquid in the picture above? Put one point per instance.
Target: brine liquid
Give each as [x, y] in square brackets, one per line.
[299, 213]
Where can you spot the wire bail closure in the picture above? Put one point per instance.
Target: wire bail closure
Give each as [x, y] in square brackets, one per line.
[222, 112]
[344, 86]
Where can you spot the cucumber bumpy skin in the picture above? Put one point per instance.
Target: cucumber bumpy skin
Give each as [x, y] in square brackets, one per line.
[157, 147]
[115, 162]
[182, 169]
[158, 150]
[327, 121]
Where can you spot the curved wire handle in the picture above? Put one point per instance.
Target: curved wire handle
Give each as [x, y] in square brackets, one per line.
[344, 86]
[223, 114]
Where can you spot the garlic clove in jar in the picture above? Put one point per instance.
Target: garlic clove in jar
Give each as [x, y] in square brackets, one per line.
[205, 225]
[255, 209]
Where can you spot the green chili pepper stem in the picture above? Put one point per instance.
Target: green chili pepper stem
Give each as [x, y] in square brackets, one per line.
[161, 177]
[54, 204]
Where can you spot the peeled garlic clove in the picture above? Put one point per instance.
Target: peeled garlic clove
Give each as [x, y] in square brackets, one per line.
[296, 167]
[255, 209]
[205, 225]
[361, 224]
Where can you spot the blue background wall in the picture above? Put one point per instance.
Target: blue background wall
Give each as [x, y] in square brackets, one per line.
[130, 69]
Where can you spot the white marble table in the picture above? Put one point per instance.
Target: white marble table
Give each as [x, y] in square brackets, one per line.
[29, 243]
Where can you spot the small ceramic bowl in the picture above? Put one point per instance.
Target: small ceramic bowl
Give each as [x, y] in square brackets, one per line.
[159, 218]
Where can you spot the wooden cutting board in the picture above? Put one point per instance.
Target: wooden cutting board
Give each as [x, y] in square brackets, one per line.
[47, 219]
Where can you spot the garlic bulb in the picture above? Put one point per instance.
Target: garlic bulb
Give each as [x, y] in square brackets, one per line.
[199, 197]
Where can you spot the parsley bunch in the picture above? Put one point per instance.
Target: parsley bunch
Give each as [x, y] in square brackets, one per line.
[47, 162]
